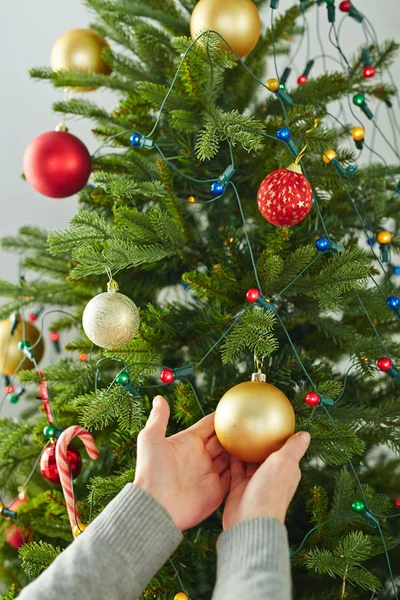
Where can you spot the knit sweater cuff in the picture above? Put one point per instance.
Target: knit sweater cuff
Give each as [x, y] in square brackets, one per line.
[253, 545]
[136, 528]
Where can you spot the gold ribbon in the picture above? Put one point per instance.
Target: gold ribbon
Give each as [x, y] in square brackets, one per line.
[303, 151]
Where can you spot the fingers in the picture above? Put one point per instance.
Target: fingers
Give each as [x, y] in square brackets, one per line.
[251, 468]
[237, 471]
[157, 422]
[204, 428]
[225, 481]
[296, 446]
[221, 462]
[213, 447]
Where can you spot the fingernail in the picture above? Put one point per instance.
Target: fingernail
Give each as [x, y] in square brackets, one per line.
[156, 401]
[305, 436]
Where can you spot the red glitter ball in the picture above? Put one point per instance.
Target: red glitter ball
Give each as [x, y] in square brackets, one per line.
[285, 197]
[48, 465]
[312, 399]
[54, 336]
[345, 6]
[167, 376]
[384, 364]
[368, 71]
[302, 79]
[253, 294]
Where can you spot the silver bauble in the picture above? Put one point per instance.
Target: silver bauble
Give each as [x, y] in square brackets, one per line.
[110, 320]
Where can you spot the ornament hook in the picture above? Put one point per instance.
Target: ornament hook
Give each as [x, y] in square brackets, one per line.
[303, 150]
[112, 285]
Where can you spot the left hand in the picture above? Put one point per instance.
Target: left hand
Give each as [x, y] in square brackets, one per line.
[187, 473]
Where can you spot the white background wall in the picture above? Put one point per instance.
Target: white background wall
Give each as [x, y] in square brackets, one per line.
[25, 106]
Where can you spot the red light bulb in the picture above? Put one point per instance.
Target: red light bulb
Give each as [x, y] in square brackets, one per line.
[83, 356]
[9, 389]
[397, 502]
[54, 336]
[345, 6]
[32, 317]
[253, 294]
[312, 399]
[167, 376]
[302, 79]
[384, 364]
[368, 71]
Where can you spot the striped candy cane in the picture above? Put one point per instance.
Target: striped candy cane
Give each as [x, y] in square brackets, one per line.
[64, 471]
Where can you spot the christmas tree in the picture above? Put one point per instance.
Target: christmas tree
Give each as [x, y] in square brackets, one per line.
[179, 212]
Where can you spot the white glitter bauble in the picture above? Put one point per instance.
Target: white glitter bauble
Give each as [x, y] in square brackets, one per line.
[110, 320]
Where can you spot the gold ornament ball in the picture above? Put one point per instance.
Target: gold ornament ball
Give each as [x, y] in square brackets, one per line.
[253, 419]
[272, 84]
[384, 237]
[110, 320]
[328, 155]
[80, 50]
[78, 529]
[181, 596]
[237, 21]
[10, 354]
[358, 133]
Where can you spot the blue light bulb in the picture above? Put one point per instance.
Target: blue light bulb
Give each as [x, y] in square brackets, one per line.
[322, 244]
[371, 241]
[135, 139]
[396, 270]
[283, 134]
[217, 188]
[393, 302]
[352, 169]
[313, 201]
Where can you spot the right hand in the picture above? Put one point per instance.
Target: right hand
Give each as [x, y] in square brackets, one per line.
[265, 490]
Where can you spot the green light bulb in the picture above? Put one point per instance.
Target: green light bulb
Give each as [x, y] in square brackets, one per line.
[49, 431]
[282, 86]
[123, 378]
[13, 399]
[358, 506]
[330, 1]
[23, 344]
[359, 99]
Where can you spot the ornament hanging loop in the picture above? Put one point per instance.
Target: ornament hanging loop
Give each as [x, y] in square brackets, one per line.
[112, 285]
[303, 150]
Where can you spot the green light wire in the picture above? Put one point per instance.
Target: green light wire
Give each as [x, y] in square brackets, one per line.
[372, 324]
[275, 296]
[388, 562]
[173, 167]
[317, 527]
[194, 394]
[344, 383]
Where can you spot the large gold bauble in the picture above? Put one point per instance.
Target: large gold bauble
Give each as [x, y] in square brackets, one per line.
[80, 50]
[253, 419]
[110, 320]
[10, 354]
[238, 21]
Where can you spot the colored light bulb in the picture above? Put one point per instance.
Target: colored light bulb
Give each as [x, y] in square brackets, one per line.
[384, 364]
[359, 99]
[368, 71]
[393, 302]
[358, 506]
[312, 399]
[167, 376]
[272, 84]
[217, 188]
[322, 244]
[328, 156]
[253, 294]
[283, 134]
[358, 133]
[302, 79]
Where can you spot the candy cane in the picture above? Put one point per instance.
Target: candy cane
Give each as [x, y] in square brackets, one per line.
[64, 471]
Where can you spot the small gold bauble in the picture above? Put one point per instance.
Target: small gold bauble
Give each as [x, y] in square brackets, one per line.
[254, 419]
[110, 320]
[384, 237]
[10, 354]
[358, 133]
[237, 21]
[78, 529]
[272, 84]
[328, 156]
[80, 50]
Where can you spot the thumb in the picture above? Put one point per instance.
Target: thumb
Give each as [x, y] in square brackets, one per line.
[157, 422]
[296, 446]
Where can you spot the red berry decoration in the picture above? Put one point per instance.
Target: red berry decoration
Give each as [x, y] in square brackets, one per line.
[312, 399]
[384, 364]
[345, 6]
[167, 376]
[48, 465]
[368, 71]
[302, 79]
[253, 294]
[57, 164]
[285, 196]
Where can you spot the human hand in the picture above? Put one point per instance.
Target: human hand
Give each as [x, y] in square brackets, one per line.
[265, 490]
[187, 473]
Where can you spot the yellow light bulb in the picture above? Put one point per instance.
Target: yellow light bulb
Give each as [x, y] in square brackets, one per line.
[384, 237]
[358, 133]
[272, 84]
[191, 199]
[328, 156]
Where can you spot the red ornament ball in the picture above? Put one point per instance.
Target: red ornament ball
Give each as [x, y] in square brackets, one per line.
[14, 536]
[312, 399]
[285, 196]
[345, 6]
[48, 465]
[384, 364]
[253, 294]
[57, 164]
[368, 71]
[167, 376]
[302, 79]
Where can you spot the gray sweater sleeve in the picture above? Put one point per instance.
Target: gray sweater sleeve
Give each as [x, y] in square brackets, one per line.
[129, 542]
[254, 562]
[115, 557]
